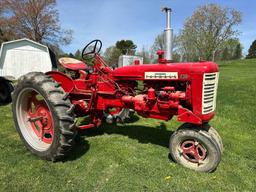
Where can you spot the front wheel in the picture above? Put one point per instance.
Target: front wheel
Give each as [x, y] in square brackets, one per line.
[195, 148]
[43, 116]
[213, 132]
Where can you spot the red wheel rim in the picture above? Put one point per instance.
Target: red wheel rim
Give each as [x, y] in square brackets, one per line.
[193, 151]
[40, 118]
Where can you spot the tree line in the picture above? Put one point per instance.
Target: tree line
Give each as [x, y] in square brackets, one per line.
[35, 20]
[210, 33]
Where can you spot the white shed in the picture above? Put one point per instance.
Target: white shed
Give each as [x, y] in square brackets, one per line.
[23, 56]
[125, 60]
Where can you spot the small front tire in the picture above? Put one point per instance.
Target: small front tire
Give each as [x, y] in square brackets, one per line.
[213, 132]
[195, 148]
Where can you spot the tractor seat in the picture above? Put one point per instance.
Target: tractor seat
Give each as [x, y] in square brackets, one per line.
[72, 64]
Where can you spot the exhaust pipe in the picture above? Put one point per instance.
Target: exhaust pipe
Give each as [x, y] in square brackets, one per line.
[168, 34]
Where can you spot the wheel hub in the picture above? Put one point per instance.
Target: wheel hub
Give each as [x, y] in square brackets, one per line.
[193, 151]
[40, 119]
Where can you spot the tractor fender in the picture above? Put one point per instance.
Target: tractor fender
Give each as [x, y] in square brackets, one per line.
[65, 81]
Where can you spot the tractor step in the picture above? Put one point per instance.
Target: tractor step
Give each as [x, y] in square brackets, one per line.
[86, 126]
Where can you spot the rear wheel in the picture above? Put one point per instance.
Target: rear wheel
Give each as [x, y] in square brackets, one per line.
[43, 116]
[195, 148]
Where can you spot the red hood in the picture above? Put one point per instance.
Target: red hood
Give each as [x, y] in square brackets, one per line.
[137, 72]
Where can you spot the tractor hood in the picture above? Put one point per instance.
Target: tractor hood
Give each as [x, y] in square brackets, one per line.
[163, 71]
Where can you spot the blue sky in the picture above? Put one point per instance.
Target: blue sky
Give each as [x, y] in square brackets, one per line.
[139, 20]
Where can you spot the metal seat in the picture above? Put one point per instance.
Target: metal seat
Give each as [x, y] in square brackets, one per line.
[72, 64]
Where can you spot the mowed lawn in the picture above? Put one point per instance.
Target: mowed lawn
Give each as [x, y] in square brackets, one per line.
[134, 156]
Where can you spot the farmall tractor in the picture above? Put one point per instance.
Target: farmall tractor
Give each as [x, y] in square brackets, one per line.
[45, 106]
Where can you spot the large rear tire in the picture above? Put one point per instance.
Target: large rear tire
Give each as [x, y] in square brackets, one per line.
[195, 148]
[43, 116]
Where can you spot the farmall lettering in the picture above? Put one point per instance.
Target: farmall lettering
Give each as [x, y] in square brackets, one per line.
[161, 75]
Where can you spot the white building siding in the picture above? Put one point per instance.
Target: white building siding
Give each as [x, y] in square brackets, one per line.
[23, 56]
[126, 60]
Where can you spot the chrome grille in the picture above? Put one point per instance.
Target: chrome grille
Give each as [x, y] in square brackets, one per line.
[210, 84]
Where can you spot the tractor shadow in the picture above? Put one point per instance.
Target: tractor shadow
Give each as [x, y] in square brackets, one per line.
[158, 135]
[80, 148]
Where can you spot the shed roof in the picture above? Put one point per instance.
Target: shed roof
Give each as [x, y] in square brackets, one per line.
[20, 40]
[24, 39]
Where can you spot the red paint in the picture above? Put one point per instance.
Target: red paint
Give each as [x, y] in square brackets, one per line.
[40, 119]
[162, 98]
[161, 58]
[191, 69]
[65, 81]
[151, 94]
[137, 62]
[193, 151]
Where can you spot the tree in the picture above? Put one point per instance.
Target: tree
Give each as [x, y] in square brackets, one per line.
[159, 44]
[126, 47]
[207, 29]
[225, 54]
[176, 57]
[112, 53]
[6, 33]
[33, 19]
[145, 54]
[78, 55]
[231, 49]
[238, 52]
[111, 56]
[252, 51]
[71, 55]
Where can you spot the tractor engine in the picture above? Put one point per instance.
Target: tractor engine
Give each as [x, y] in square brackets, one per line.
[184, 89]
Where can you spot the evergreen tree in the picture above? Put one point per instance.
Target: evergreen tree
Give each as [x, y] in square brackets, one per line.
[126, 47]
[78, 55]
[238, 52]
[225, 54]
[71, 55]
[252, 51]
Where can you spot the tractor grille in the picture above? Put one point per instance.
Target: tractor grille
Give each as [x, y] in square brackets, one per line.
[210, 84]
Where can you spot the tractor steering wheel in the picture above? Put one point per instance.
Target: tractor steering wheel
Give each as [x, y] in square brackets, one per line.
[91, 49]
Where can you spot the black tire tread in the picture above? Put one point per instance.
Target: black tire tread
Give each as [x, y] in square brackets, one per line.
[213, 132]
[63, 112]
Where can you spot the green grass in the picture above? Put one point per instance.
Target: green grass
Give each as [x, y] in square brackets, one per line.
[133, 157]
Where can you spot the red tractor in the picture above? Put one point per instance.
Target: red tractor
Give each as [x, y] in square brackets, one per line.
[45, 106]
